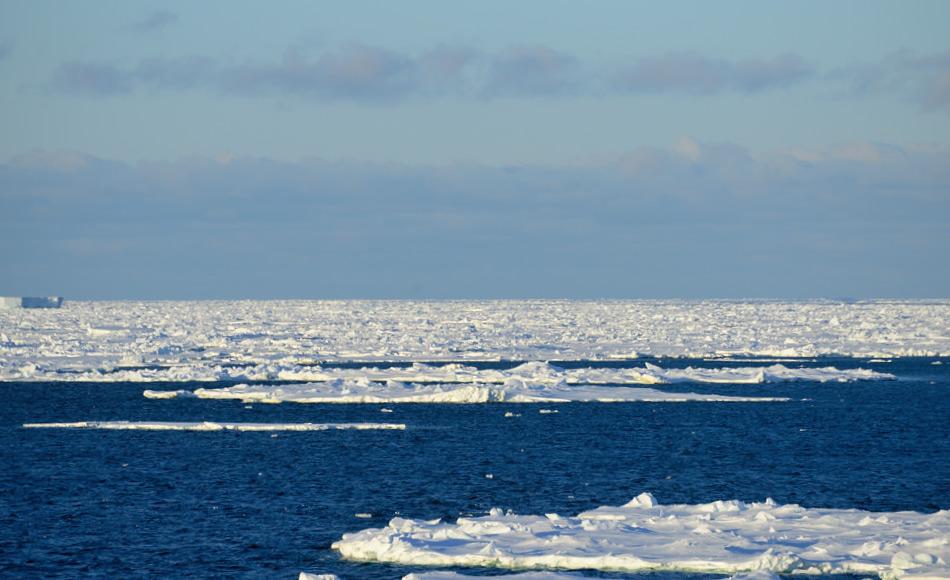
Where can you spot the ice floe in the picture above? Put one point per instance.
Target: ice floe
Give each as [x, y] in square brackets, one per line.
[643, 535]
[536, 372]
[548, 575]
[211, 426]
[446, 575]
[512, 391]
[265, 340]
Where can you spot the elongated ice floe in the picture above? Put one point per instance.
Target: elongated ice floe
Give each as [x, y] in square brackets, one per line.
[445, 575]
[548, 575]
[545, 575]
[512, 391]
[642, 535]
[537, 372]
[210, 426]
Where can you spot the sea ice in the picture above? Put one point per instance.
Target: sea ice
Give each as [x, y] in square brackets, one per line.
[267, 340]
[445, 575]
[643, 535]
[210, 426]
[512, 391]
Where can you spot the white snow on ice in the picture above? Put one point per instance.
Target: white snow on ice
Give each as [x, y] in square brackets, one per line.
[512, 391]
[254, 340]
[643, 535]
[211, 426]
[445, 575]
[529, 382]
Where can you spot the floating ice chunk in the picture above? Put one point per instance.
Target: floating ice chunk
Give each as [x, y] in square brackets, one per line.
[513, 391]
[148, 394]
[643, 535]
[210, 426]
[309, 576]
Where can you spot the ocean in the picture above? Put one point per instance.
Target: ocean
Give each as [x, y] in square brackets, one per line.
[100, 503]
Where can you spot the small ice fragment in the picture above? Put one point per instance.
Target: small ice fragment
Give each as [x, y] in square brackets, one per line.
[248, 406]
[547, 411]
[309, 576]
[363, 515]
[489, 476]
[385, 410]
[510, 414]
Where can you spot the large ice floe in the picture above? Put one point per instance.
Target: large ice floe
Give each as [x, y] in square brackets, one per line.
[264, 340]
[642, 535]
[537, 372]
[543, 575]
[512, 391]
[527, 383]
[212, 426]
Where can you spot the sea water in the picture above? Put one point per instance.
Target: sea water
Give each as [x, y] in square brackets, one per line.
[270, 504]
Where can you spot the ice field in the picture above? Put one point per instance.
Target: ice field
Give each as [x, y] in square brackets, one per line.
[212, 341]
[143, 436]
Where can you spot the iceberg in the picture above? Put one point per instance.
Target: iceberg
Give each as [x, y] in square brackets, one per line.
[728, 537]
[31, 301]
[211, 426]
[512, 391]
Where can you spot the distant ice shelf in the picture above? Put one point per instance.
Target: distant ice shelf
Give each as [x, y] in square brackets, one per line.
[512, 391]
[31, 301]
[211, 426]
[719, 537]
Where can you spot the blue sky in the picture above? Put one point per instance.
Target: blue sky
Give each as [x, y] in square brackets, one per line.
[432, 149]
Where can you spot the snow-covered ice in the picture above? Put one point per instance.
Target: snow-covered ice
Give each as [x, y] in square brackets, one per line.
[512, 391]
[211, 426]
[643, 535]
[257, 340]
[649, 374]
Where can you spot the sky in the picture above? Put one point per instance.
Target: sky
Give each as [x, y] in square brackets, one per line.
[537, 149]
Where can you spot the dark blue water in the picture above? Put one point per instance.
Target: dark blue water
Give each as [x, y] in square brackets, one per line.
[225, 504]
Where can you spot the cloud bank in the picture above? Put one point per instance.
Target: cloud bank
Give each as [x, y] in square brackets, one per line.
[364, 72]
[698, 219]
[924, 78]
[156, 21]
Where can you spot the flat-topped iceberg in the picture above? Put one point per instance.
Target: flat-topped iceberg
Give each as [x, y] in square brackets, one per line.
[211, 426]
[643, 535]
[31, 301]
[512, 391]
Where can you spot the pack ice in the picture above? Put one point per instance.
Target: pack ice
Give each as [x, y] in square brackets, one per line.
[215, 340]
[643, 535]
